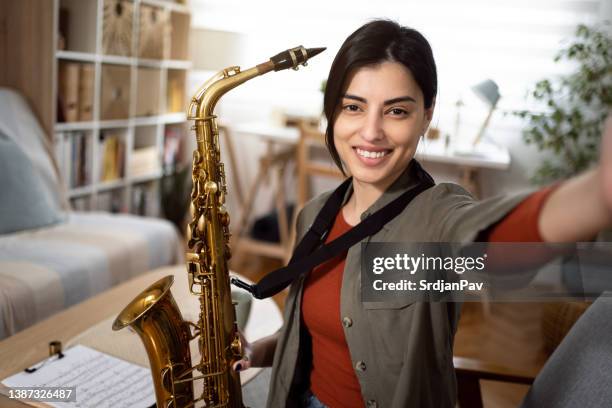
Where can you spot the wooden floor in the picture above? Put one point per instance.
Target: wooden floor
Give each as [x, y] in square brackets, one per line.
[510, 335]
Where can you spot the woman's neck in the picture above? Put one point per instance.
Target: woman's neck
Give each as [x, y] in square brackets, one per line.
[364, 195]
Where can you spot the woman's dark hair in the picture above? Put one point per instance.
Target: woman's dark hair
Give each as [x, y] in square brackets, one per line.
[374, 43]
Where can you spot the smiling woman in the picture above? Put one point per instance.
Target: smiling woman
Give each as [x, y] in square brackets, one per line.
[335, 350]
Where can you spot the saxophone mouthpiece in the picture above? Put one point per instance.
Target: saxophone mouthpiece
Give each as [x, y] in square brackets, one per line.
[294, 57]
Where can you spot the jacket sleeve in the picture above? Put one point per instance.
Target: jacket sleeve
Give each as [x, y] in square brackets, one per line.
[462, 217]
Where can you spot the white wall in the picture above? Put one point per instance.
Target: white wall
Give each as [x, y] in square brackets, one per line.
[510, 41]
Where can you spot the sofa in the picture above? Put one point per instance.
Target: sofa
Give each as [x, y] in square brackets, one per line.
[50, 256]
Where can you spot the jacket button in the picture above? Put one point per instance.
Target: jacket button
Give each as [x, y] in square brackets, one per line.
[372, 404]
[347, 321]
[360, 366]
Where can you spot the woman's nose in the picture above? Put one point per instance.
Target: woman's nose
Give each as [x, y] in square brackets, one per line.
[372, 128]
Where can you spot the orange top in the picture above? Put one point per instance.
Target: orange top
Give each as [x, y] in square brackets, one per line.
[333, 378]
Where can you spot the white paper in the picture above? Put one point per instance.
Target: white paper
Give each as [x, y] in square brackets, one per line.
[101, 380]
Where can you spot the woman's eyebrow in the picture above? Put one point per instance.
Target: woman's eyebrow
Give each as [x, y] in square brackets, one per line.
[400, 99]
[357, 98]
[387, 102]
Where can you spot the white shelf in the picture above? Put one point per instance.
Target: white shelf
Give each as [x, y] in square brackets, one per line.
[80, 191]
[117, 93]
[117, 60]
[71, 126]
[110, 124]
[164, 64]
[167, 119]
[111, 185]
[169, 5]
[146, 177]
[76, 56]
[177, 64]
[147, 120]
[170, 118]
[122, 60]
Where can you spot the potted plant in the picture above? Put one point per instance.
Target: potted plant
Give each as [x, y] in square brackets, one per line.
[576, 106]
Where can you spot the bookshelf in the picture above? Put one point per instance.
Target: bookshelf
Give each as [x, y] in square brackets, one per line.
[108, 84]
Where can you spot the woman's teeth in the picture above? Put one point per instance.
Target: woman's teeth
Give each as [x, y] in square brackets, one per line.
[372, 155]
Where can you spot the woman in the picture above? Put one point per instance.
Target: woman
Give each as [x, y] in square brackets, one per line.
[335, 350]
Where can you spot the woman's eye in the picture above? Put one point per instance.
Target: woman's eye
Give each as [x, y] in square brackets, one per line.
[398, 112]
[351, 108]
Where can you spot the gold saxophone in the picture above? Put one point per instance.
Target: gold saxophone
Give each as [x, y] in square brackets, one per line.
[154, 315]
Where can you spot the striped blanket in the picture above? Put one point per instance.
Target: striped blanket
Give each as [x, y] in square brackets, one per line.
[46, 270]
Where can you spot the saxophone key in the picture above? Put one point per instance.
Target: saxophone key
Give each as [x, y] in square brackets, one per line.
[201, 224]
[210, 187]
[224, 217]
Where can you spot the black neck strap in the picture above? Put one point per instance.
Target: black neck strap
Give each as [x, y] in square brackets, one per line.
[304, 259]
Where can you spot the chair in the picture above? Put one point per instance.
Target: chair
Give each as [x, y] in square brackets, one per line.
[577, 374]
[310, 137]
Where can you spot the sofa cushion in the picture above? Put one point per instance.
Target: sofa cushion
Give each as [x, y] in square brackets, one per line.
[21, 126]
[24, 203]
[45, 270]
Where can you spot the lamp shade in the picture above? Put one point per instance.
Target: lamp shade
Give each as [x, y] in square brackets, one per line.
[488, 91]
[212, 50]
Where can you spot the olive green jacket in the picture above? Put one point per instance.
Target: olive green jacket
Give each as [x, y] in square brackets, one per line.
[402, 351]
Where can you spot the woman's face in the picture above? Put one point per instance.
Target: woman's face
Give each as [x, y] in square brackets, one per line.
[381, 117]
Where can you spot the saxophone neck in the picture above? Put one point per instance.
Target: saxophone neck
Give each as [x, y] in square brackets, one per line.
[204, 101]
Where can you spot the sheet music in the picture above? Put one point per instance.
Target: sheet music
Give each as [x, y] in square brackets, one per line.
[101, 380]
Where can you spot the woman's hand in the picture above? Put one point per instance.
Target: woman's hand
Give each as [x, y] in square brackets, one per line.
[247, 354]
[256, 354]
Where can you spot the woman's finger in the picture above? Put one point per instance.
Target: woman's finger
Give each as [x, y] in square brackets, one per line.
[242, 364]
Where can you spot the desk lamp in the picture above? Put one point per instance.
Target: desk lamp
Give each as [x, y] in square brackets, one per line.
[488, 91]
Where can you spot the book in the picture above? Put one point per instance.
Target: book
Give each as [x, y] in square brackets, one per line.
[145, 200]
[172, 148]
[176, 92]
[144, 162]
[111, 160]
[68, 91]
[86, 92]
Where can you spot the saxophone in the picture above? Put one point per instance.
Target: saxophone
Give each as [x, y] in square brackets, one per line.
[154, 314]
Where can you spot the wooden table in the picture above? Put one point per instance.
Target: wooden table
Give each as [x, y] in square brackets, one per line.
[469, 160]
[30, 346]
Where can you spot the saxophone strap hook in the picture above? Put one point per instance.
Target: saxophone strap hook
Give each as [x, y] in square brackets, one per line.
[243, 285]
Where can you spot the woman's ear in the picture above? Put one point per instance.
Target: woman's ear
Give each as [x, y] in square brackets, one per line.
[429, 115]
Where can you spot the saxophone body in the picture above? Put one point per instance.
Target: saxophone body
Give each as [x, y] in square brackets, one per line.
[154, 315]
